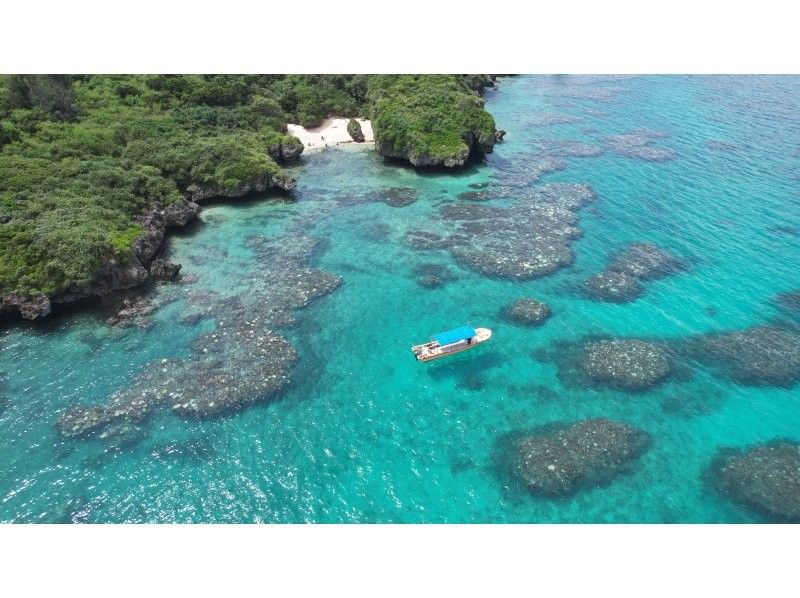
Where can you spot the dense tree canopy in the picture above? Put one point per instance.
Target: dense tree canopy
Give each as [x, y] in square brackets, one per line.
[82, 157]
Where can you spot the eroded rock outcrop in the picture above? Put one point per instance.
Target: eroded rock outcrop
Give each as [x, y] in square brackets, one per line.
[29, 307]
[114, 273]
[258, 184]
[561, 459]
[131, 311]
[764, 478]
[354, 130]
[163, 270]
[288, 149]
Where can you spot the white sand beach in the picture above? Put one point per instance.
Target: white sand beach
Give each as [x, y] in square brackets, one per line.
[332, 132]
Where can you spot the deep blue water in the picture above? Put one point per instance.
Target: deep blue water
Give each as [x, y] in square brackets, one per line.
[364, 433]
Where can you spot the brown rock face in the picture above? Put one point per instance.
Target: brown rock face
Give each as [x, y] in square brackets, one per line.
[163, 270]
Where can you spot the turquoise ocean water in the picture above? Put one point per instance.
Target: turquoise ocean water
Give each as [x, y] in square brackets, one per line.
[366, 434]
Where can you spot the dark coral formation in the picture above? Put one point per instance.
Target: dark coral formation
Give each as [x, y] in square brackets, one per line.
[789, 302]
[567, 148]
[396, 197]
[627, 364]
[640, 145]
[433, 276]
[241, 362]
[523, 171]
[646, 261]
[546, 119]
[616, 287]
[424, 240]
[476, 195]
[620, 281]
[131, 311]
[527, 312]
[562, 459]
[764, 478]
[758, 356]
[528, 240]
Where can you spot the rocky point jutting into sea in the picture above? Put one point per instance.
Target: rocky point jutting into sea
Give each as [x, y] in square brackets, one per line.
[268, 378]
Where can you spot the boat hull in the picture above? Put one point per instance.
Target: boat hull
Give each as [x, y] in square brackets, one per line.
[431, 351]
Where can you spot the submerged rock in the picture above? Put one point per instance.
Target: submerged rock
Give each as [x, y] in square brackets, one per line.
[477, 195]
[430, 281]
[432, 276]
[528, 240]
[789, 302]
[764, 478]
[396, 197]
[568, 148]
[421, 239]
[562, 459]
[646, 261]
[639, 145]
[546, 119]
[627, 364]
[762, 355]
[613, 286]
[130, 311]
[620, 281]
[527, 312]
[241, 362]
[163, 270]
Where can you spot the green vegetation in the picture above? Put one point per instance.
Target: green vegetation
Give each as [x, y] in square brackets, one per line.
[430, 119]
[83, 157]
[354, 130]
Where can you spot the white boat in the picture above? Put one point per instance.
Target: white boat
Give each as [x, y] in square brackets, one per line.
[452, 341]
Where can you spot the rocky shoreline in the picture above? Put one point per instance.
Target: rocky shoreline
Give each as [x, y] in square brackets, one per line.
[142, 264]
[242, 362]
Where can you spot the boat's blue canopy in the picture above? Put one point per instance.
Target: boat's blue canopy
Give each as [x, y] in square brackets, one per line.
[455, 335]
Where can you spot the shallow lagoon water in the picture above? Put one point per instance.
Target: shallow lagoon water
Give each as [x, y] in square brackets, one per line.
[366, 434]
